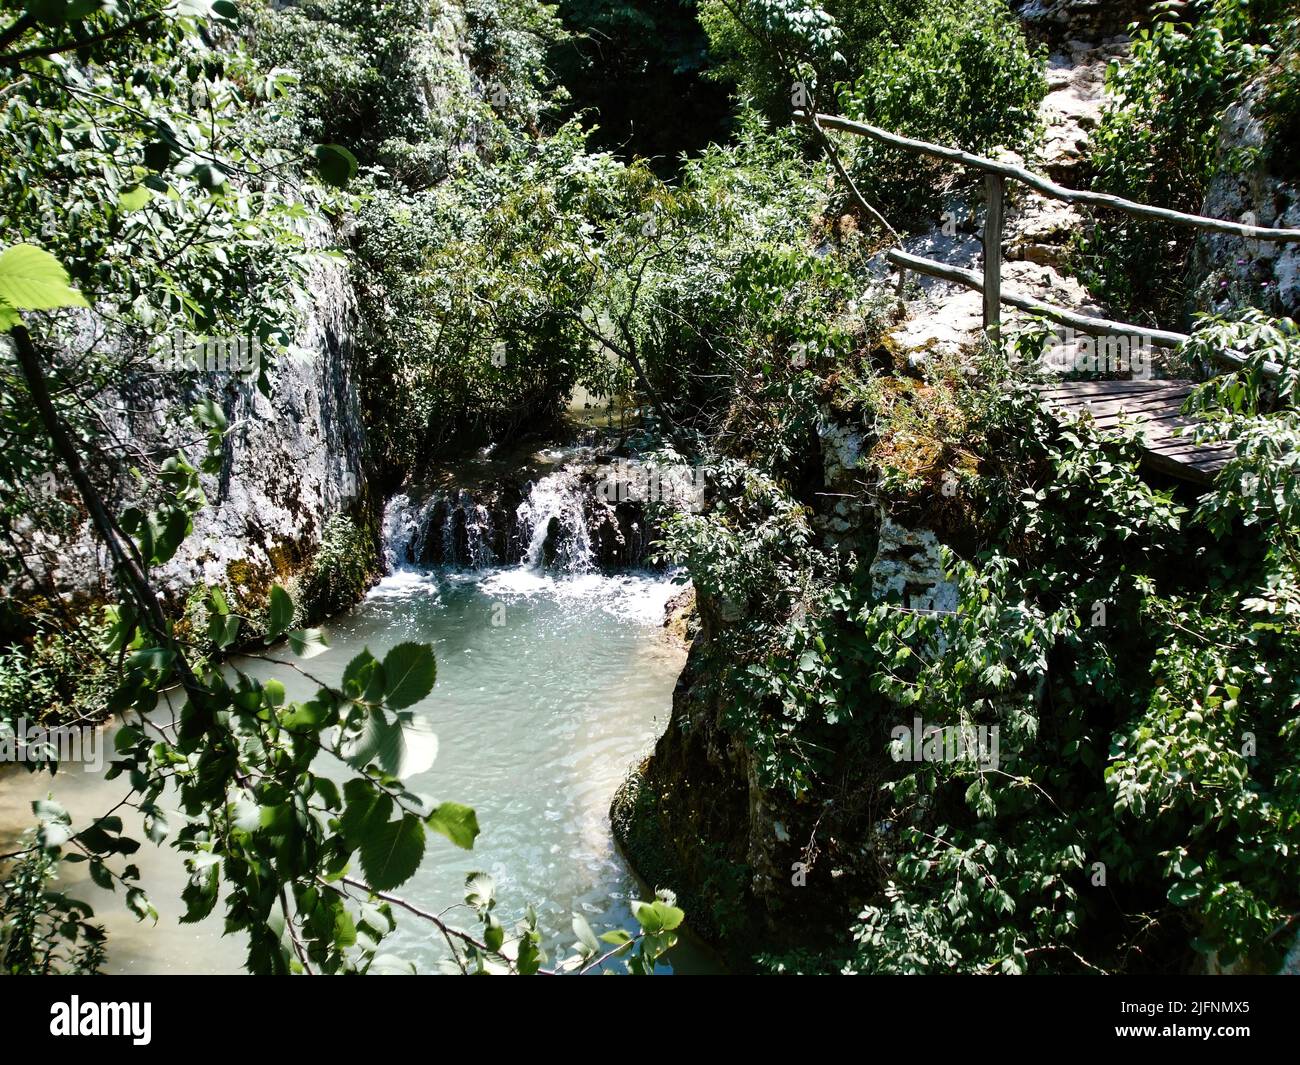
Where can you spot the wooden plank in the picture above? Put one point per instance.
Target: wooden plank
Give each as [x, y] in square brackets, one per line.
[1112, 419]
[993, 257]
[1154, 409]
[1050, 188]
[1151, 406]
[1087, 388]
[1171, 415]
[1173, 468]
[1136, 395]
[1109, 388]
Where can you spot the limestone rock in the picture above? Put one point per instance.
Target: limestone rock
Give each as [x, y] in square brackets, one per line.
[1227, 269]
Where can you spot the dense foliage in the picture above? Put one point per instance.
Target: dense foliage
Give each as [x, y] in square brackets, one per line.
[638, 71]
[958, 74]
[1158, 141]
[1146, 715]
[157, 182]
[1137, 649]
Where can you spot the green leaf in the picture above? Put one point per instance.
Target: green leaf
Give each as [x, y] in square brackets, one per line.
[34, 280]
[391, 853]
[585, 935]
[138, 903]
[399, 749]
[307, 643]
[345, 929]
[458, 823]
[657, 916]
[156, 827]
[494, 933]
[209, 176]
[53, 834]
[200, 893]
[209, 414]
[133, 197]
[410, 671]
[480, 890]
[281, 612]
[336, 164]
[364, 678]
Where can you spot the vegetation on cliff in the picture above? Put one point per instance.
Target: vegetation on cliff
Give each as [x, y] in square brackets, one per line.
[1135, 647]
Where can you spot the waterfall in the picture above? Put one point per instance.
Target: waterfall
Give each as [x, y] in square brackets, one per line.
[479, 532]
[553, 523]
[548, 530]
[402, 524]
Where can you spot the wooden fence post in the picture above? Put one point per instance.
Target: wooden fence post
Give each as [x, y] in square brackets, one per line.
[993, 257]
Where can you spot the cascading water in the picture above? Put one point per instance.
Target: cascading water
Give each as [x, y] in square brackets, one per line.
[479, 532]
[553, 524]
[549, 529]
[402, 524]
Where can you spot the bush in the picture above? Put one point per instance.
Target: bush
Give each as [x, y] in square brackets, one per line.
[474, 294]
[345, 565]
[44, 932]
[963, 77]
[959, 73]
[1157, 144]
[57, 677]
[1141, 666]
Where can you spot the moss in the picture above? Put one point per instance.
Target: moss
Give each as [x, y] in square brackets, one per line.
[710, 893]
[345, 565]
[682, 620]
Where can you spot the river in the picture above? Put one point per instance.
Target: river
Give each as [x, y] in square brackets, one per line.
[551, 685]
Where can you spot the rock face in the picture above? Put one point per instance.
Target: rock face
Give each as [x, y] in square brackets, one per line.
[1229, 270]
[846, 519]
[290, 463]
[907, 565]
[1059, 20]
[695, 817]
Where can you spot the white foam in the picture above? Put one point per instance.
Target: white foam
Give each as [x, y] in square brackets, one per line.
[633, 596]
[405, 583]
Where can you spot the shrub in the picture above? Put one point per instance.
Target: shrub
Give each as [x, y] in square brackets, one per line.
[965, 77]
[345, 565]
[1157, 144]
[44, 932]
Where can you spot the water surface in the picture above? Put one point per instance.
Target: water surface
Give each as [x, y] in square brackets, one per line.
[550, 688]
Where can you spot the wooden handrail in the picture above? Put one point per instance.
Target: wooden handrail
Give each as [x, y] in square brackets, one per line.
[1083, 322]
[990, 285]
[1050, 188]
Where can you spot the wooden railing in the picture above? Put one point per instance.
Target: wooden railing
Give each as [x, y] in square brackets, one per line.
[996, 175]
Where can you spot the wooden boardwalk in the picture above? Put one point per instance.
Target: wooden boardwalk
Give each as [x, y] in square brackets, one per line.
[1156, 406]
